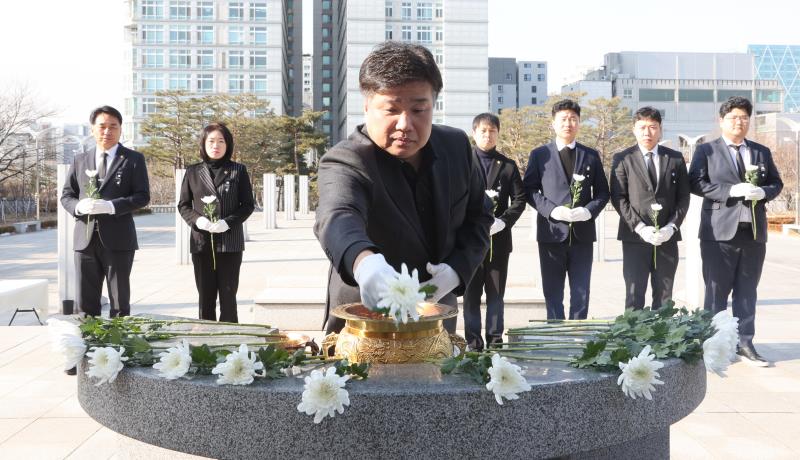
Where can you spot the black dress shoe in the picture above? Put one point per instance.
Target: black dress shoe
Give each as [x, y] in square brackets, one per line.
[750, 355]
[72, 371]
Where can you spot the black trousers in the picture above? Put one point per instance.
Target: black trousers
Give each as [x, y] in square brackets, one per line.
[223, 281]
[96, 263]
[557, 261]
[734, 266]
[491, 275]
[638, 266]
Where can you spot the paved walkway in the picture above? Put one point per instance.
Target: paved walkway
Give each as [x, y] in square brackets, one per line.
[754, 413]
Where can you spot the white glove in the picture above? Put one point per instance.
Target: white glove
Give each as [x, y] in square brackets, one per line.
[219, 226]
[665, 233]
[102, 207]
[580, 214]
[648, 233]
[740, 190]
[371, 275]
[497, 226]
[84, 206]
[444, 278]
[203, 223]
[562, 213]
[755, 194]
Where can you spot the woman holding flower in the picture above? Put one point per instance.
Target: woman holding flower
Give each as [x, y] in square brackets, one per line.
[216, 198]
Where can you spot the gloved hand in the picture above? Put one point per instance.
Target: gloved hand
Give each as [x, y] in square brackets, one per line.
[665, 233]
[647, 233]
[203, 223]
[497, 226]
[741, 189]
[444, 278]
[219, 226]
[580, 214]
[755, 194]
[102, 207]
[371, 275]
[562, 213]
[84, 206]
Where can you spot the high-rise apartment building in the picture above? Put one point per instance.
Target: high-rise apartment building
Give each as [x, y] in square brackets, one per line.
[782, 63]
[514, 84]
[212, 46]
[456, 32]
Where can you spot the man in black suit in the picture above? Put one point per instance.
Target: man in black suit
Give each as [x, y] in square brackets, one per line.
[733, 235]
[504, 182]
[644, 175]
[400, 190]
[565, 232]
[105, 235]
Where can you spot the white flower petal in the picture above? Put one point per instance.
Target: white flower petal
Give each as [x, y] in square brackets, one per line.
[239, 368]
[208, 199]
[91, 172]
[324, 394]
[656, 207]
[505, 379]
[105, 363]
[578, 177]
[401, 295]
[175, 362]
[639, 375]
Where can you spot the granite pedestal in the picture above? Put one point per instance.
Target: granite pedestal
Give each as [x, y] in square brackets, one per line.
[401, 411]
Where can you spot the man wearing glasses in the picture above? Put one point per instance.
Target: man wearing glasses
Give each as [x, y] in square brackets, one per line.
[733, 220]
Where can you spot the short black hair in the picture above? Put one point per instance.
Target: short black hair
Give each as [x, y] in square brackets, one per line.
[108, 110]
[735, 102]
[566, 104]
[486, 117]
[647, 113]
[226, 134]
[392, 64]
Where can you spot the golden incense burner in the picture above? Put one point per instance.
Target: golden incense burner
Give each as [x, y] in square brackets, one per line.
[368, 336]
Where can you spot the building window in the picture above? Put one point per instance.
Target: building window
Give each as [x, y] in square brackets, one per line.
[724, 94]
[526, 65]
[258, 60]
[152, 58]
[326, 45]
[235, 83]
[326, 32]
[540, 65]
[388, 8]
[405, 33]
[205, 83]
[509, 77]
[388, 35]
[326, 18]
[205, 35]
[152, 9]
[424, 11]
[326, 101]
[326, 4]
[326, 87]
[179, 35]
[656, 95]
[326, 73]
[627, 93]
[152, 33]
[439, 34]
[499, 99]
[236, 60]
[424, 34]
[179, 81]
[152, 82]
[526, 77]
[205, 10]
[258, 11]
[236, 35]
[768, 96]
[499, 88]
[258, 35]
[179, 9]
[258, 83]
[326, 128]
[696, 95]
[148, 105]
[438, 56]
[205, 59]
[533, 88]
[540, 77]
[235, 11]
[326, 60]
[533, 101]
[405, 10]
[438, 105]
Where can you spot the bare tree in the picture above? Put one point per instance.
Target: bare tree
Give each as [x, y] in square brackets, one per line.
[19, 111]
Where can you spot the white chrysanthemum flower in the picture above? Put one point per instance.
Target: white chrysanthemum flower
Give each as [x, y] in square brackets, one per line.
[65, 338]
[401, 295]
[505, 379]
[91, 172]
[208, 199]
[639, 375]
[239, 368]
[750, 168]
[175, 362]
[656, 207]
[105, 363]
[491, 193]
[56, 328]
[578, 177]
[324, 394]
[727, 326]
[717, 354]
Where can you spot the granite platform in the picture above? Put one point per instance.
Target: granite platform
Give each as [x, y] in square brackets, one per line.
[401, 411]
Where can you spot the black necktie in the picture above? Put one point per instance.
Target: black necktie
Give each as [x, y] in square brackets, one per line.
[651, 169]
[739, 160]
[101, 168]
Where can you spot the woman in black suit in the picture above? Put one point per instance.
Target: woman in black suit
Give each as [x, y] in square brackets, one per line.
[220, 177]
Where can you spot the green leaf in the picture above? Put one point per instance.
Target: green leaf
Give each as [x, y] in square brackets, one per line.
[137, 344]
[428, 290]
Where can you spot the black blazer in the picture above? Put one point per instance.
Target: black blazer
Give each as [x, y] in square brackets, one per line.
[503, 177]
[547, 187]
[365, 203]
[632, 193]
[234, 194]
[126, 186]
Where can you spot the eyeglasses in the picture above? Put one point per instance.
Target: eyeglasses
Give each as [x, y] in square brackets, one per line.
[734, 118]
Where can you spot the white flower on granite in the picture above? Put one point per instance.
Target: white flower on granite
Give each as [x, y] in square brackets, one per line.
[639, 375]
[324, 394]
[717, 354]
[105, 363]
[401, 295]
[727, 326]
[208, 199]
[175, 361]
[239, 368]
[65, 338]
[505, 379]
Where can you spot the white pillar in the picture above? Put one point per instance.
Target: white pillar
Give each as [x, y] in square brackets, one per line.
[534, 219]
[66, 255]
[182, 230]
[288, 196]
[303, 191]
[600, 228]
[269, 201]
[695, 286]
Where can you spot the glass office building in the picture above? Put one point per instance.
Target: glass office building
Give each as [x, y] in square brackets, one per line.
[782, 63]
